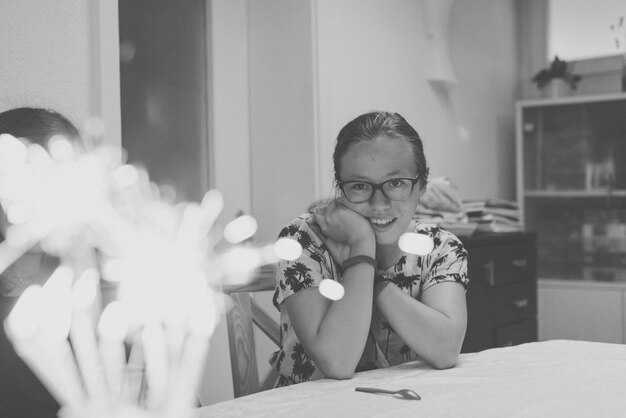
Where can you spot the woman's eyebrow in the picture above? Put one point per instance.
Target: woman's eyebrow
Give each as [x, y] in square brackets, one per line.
[388, 176]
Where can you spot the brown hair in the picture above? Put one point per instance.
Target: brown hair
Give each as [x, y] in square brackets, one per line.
[375, 124]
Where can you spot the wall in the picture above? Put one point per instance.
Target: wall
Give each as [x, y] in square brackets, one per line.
[61, 55]
[281, 112]
[56, 71]
[467, 132]
[229, 125]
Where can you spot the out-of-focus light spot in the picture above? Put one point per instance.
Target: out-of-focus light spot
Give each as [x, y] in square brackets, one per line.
[18, 236]
[56, 307]
[126, 175]
[331, 289]
[61, 278]
[203, 318]
[113, 270]
[17, 213]
[13, 152]
[94, 127]
[23, 321]
[413, 243]
[241, 260]
[38, 156]
[127, 51]
[287, 249]
[240, 229]
[60, 148]
[168, 192]
[113, 323]
[85, 290]
[212, 203]
[155, 352]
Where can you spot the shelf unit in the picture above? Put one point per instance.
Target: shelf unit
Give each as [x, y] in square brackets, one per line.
[571, 190]
[571, 184]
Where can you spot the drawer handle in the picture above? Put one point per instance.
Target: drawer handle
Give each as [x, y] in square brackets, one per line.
[520, 303]
[520, 262]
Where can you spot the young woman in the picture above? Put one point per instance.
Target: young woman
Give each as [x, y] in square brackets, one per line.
[397, 307]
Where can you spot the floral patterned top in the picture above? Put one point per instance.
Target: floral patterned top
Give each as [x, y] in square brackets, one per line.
[447, 262]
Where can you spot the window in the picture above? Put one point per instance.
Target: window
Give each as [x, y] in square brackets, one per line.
[581, 29]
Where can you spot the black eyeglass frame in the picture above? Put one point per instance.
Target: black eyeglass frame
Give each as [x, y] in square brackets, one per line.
[379, 186]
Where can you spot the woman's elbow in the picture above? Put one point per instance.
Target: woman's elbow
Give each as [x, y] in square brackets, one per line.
[445, 359]
[446, 362]
[340, 375]
[338, 370]
[448, 353]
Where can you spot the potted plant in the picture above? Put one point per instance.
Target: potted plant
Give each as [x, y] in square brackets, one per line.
[558, 70]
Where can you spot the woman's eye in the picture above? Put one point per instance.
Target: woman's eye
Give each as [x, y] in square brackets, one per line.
[395, 183]
[359, 187]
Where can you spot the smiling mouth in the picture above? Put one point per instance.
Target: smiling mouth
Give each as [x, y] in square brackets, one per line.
[382, 222]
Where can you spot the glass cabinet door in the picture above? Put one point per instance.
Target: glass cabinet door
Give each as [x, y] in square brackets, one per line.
[573, 184]
[575, 146]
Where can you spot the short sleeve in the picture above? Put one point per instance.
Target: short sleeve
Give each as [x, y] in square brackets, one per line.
[308, 270]
[447, 262]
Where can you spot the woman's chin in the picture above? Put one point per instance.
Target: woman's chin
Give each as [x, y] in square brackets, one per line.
[387, 237]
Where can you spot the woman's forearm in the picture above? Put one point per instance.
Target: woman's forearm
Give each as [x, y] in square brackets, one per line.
[340, 338]
[435, 335]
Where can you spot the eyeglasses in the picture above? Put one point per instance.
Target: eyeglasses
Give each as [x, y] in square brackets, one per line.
[399, 188]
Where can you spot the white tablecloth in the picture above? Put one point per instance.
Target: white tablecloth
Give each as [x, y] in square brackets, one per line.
[557, 378]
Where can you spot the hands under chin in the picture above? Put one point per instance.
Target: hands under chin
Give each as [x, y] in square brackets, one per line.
[343, 230]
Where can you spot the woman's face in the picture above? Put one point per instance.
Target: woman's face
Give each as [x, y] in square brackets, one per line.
[376, 161]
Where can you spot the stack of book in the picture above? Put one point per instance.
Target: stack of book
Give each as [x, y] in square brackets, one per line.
[493, 215]
[455, 222]
[477, 216]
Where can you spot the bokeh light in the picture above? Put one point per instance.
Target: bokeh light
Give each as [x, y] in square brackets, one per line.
[414, 243]
[331, 289]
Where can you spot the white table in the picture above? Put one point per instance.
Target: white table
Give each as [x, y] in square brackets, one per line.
[559, 378]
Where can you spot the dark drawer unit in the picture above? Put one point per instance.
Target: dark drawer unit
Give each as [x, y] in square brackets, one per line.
[502, 293]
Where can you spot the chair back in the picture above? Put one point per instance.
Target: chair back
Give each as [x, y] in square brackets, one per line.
[241, 320]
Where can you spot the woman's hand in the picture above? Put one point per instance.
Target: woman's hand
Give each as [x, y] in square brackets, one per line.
[345, 232]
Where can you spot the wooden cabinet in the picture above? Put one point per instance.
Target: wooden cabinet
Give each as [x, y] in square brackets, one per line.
[502, 292]
[582, 310]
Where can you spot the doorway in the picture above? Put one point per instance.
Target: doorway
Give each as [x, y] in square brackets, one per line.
[164, 92]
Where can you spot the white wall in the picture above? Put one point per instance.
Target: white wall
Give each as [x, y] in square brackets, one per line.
[61, 55]
[45, 58]
[569, 42]
[281, 112]
[372, 55]
[230, 150]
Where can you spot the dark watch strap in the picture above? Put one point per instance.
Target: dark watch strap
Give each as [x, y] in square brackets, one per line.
[358, 260]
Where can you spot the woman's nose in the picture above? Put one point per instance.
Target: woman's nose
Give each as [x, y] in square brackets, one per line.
[379, 200]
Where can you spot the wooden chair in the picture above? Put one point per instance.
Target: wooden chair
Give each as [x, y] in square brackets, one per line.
[240, 321]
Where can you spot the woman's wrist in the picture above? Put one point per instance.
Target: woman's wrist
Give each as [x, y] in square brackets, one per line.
[363, 248]
[381, 280]
[359, 259]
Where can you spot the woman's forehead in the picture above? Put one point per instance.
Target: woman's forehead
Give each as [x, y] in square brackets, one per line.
[378, 158]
